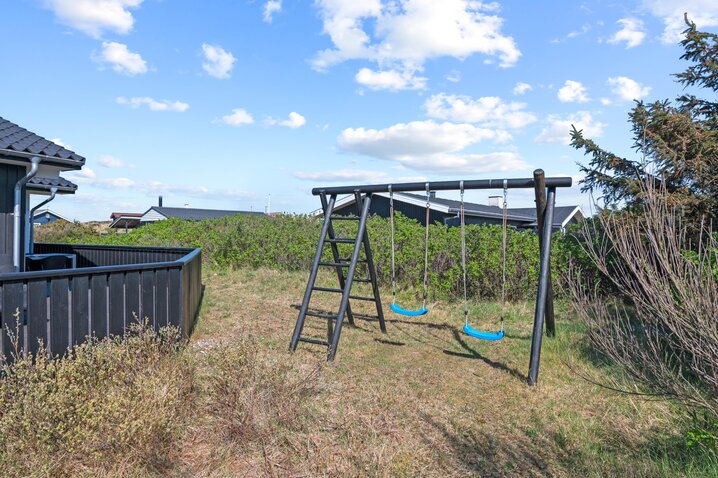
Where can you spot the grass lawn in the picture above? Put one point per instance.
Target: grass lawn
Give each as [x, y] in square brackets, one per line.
[421, 400]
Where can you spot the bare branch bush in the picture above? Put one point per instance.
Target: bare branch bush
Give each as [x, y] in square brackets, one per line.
[662, 328]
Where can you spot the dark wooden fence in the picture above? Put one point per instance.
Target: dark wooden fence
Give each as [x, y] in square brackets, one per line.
[101, 297]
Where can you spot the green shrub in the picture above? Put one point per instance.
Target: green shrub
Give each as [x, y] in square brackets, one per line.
[116, 404]
[289, 242]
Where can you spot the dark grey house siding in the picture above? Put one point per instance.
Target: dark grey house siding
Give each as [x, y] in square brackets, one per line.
[9, 176]
[380, 206]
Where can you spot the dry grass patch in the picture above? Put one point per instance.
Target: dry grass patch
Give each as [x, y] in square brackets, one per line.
[424, 399]
[113, 408]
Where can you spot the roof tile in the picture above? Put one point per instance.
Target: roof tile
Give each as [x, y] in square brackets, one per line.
[15, 138]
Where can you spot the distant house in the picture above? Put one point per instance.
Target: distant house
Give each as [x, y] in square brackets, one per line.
[45, 216]
[158, 213]
[125, 220]
[446, 211]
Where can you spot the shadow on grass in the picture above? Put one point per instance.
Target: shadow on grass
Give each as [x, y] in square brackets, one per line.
[466, 351]
[471, 353]
[485, 454]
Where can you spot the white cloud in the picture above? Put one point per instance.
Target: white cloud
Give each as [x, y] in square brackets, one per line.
[60, 142]
[521, 88]
[217, 61]
[343, 175]
[605, 101]
[153, 104]
[111, 162]
[417, 137]
[704, 13]
[238, 118]
[85, 173]
[402, 35]
[489, 111]
[431, 146]
[628, 89]
[559, 127]
[151, 188]
[632, 32]
[270, 8]
[391, 80]
[573, 92]
[454, 76]
[294, 121]
[121, 59]
[95, 16]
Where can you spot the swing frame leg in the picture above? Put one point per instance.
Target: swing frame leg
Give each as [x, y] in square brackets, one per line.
[542, 293]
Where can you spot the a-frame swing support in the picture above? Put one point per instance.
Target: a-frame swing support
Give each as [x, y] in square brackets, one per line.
[545, 190]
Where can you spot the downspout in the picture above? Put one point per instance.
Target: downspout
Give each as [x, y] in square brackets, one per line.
[17, 219]
[31, 228]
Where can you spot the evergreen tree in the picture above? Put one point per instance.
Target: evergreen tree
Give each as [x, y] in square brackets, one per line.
[676, 142]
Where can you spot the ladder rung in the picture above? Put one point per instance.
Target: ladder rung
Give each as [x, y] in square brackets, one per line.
[341, 240]
[358, 279]
[334, 264]
[314, 341]
[327, 289]
[344, 218]
[340, 291]
[322, 315]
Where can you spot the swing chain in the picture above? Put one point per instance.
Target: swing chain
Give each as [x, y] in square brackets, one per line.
[393, 260]
[426, 245]
[504, 225]
[462, 220]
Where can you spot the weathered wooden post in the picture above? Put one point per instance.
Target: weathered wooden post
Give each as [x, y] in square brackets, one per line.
[540, 191]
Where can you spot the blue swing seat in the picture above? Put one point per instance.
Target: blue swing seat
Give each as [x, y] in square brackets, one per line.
[412, 313]
[479, 334]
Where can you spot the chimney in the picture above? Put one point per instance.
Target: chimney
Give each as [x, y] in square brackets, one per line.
[186, 205]
[159, 202]
[495, 201]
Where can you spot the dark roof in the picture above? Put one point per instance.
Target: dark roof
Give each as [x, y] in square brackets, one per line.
[473, 209]
[19, 142]
[41, 183]
[125, 214]
[560, 213]
[197, 214]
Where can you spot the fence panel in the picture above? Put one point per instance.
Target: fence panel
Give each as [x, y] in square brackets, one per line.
[62, 307]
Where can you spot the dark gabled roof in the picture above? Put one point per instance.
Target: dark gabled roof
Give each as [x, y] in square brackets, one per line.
[115, 215]
[527, 214]
[473, 209]
[17, 142]
[560, 213]
[197, 214]
[45, 184]
[42, 212]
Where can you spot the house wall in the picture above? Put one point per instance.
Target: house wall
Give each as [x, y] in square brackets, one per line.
[151, 216]
[380, 206]
[45, 218]
[9, 176]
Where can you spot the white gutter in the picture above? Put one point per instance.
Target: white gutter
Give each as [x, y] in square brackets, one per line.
[17, 217]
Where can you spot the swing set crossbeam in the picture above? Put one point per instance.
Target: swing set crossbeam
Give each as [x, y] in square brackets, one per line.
[516, 183]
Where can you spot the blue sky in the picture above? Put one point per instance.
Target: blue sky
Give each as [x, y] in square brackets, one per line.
[221, 103]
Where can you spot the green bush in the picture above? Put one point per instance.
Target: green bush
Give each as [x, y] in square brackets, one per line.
[289, 242]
